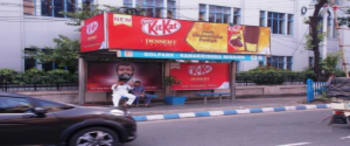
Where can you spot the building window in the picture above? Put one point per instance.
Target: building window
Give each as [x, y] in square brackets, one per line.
[311, 62]
[276, 62]
[127, 3]
[236, 16]
[290, 24]
[219, 14]
[29, 7]
[29, 61]
[289, 62]
[262, 21]
[152, 8]
[56, 8]
[88, 4]
[171, 12]
[202, 12]
[276, 22]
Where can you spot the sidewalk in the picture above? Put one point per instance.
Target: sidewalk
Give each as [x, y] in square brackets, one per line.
[214, 105]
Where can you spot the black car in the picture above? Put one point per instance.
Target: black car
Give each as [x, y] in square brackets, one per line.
[27, 120]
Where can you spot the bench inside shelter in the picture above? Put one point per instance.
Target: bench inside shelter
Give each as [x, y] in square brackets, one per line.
[220, 95]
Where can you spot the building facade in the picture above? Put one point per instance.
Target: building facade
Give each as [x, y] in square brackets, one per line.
[26, 24]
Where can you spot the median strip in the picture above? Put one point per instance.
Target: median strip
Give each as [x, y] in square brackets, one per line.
[228, 112]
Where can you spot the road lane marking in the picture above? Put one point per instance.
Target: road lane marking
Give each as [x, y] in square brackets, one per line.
[344, 138]
[296, 144]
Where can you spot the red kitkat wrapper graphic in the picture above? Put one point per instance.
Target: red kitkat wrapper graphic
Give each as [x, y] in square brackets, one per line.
[198, 76]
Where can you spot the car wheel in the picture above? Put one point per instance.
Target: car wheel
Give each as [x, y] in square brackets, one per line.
[96, 136]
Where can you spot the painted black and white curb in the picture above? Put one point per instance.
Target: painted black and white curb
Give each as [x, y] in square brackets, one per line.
[228, 112]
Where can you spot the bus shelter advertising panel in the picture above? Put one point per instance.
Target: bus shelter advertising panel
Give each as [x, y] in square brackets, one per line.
[102, 75]
[157, 34]
[200, 76]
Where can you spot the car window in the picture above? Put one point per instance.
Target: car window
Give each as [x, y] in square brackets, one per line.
[52, 106]
[14, 105]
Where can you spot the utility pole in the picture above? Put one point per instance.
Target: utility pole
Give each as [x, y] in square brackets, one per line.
[341, 46]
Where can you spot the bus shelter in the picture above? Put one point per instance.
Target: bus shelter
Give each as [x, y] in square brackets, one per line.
[200, 55]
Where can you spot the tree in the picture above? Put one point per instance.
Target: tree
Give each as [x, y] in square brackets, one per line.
[329, 65]
[64, 54]
[315, 36]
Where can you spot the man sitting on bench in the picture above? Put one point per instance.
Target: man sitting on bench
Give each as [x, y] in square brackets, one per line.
[139, 92]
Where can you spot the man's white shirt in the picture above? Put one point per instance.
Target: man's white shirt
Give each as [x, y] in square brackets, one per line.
[121, 88]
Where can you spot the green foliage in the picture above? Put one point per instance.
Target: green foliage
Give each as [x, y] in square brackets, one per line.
[266, 76]
[329, 65]
[64, 54]
[272, 76]
[58, 76]
[81, 14]
[7, 75]
[34, 76]
[171, 80]
[339, 73]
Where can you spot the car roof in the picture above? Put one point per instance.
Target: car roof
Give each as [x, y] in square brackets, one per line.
[2, 94]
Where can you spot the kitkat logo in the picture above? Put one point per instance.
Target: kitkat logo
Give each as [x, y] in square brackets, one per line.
[160, 27]
[200, 70]
[91, 27]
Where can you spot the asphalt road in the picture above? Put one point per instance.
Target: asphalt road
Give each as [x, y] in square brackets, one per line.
[269, 129]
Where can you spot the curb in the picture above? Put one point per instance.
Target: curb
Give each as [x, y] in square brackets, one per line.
[228, 112]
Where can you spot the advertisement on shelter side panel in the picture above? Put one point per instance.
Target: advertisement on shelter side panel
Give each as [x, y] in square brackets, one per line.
[92, 34]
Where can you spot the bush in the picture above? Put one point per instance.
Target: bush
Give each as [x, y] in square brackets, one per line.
[243, 77]
[309, 75]
[339, 73]
[58, 76]
[266, 76]
[272, 76]
[7, 76]
[34, 76]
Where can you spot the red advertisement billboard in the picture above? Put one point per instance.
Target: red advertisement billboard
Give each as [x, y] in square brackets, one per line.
[92, 34]
[101, 76]
[156, 34]
[198, 76]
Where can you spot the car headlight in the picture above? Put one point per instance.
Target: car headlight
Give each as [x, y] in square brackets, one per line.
[117, 112]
